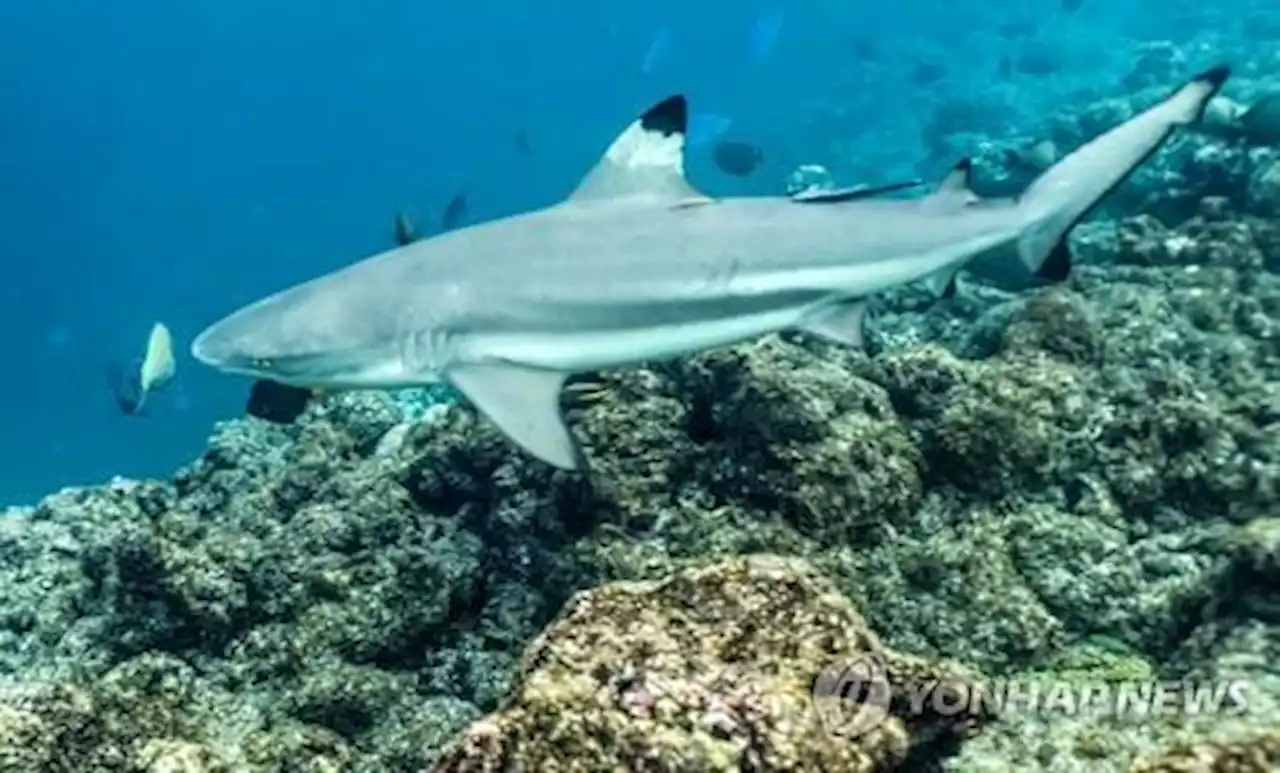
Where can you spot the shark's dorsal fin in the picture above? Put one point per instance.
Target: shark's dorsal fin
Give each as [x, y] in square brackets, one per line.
[956, 188]
[646, 160]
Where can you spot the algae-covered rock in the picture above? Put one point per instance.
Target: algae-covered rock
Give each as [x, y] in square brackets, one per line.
[711, 669]
[1256, 754]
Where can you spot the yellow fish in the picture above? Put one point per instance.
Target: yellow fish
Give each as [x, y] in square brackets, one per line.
[156, 369]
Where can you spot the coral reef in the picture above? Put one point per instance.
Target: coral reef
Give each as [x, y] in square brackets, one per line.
[1077, 483]
[710, 669]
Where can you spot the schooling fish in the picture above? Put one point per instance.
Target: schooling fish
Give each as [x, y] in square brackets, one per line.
[737, 158]
[153, 371]
[638, 266]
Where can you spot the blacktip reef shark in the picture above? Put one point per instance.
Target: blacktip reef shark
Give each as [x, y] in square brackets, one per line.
[636, 265]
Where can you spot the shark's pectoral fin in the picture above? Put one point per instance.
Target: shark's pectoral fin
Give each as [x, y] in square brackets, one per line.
[841, 323]
[525, 404]
[853, 193]
[646, 160]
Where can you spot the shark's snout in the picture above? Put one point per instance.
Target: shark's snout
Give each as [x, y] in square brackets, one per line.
[208, 348]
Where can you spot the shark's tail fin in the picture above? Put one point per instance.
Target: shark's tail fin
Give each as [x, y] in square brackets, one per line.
[1070, 189]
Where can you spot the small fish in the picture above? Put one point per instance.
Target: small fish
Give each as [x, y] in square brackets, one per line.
[153, 372]
[404, 230]
[277, 403]
[865, 50]
[928, 73]
[737, 158]
[765, 33]
[658, 49]
[523, 145]
[1071, 6]
[454, 211]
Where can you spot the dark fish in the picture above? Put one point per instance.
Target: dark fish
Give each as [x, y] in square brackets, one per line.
[1037, 63]
[277, 403]
[454, 212]
[126, 387]
[1261, 122]
[1017, 28]
[928, 73]
[737, 158]
[523, 145]
[1071, 6]
[404, 233]
[1005, 69]
[865, 50]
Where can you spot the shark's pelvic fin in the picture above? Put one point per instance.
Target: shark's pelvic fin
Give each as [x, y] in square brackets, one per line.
[525, 404]
[840, 324]
[646, 160]
[853, 193]
[1070, 189]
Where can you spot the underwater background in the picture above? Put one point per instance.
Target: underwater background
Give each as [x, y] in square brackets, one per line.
[173, 161]
[1061, 489]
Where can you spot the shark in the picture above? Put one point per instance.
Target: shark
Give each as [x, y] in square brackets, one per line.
[638, 266]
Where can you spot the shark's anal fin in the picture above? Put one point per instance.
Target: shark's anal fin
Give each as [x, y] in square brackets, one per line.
[853, 193]
[942, 283]
[842, 323]
[645, 160]
[524, 403]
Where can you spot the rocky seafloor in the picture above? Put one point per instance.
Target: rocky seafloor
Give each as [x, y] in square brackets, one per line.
[1077, 484]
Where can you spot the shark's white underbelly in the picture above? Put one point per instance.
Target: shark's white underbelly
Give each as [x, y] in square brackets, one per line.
[587, 350]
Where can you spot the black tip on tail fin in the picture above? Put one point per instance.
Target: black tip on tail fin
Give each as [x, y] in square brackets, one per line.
[1212, 79]
[670, 116]
[1056, 267]
[1215, 76]
[277, 403]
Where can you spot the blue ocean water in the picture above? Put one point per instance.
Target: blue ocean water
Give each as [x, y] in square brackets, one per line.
[171, 161]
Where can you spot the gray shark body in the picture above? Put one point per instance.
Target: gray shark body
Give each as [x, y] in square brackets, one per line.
[637, 266]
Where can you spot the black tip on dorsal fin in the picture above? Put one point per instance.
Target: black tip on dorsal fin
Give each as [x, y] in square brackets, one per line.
[670, 116]
[1057, 267]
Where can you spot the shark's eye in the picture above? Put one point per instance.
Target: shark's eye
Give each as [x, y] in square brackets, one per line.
[262, 362]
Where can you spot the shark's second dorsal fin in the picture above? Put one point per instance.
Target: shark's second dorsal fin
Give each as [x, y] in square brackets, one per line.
[646, 160]
[956, 189]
